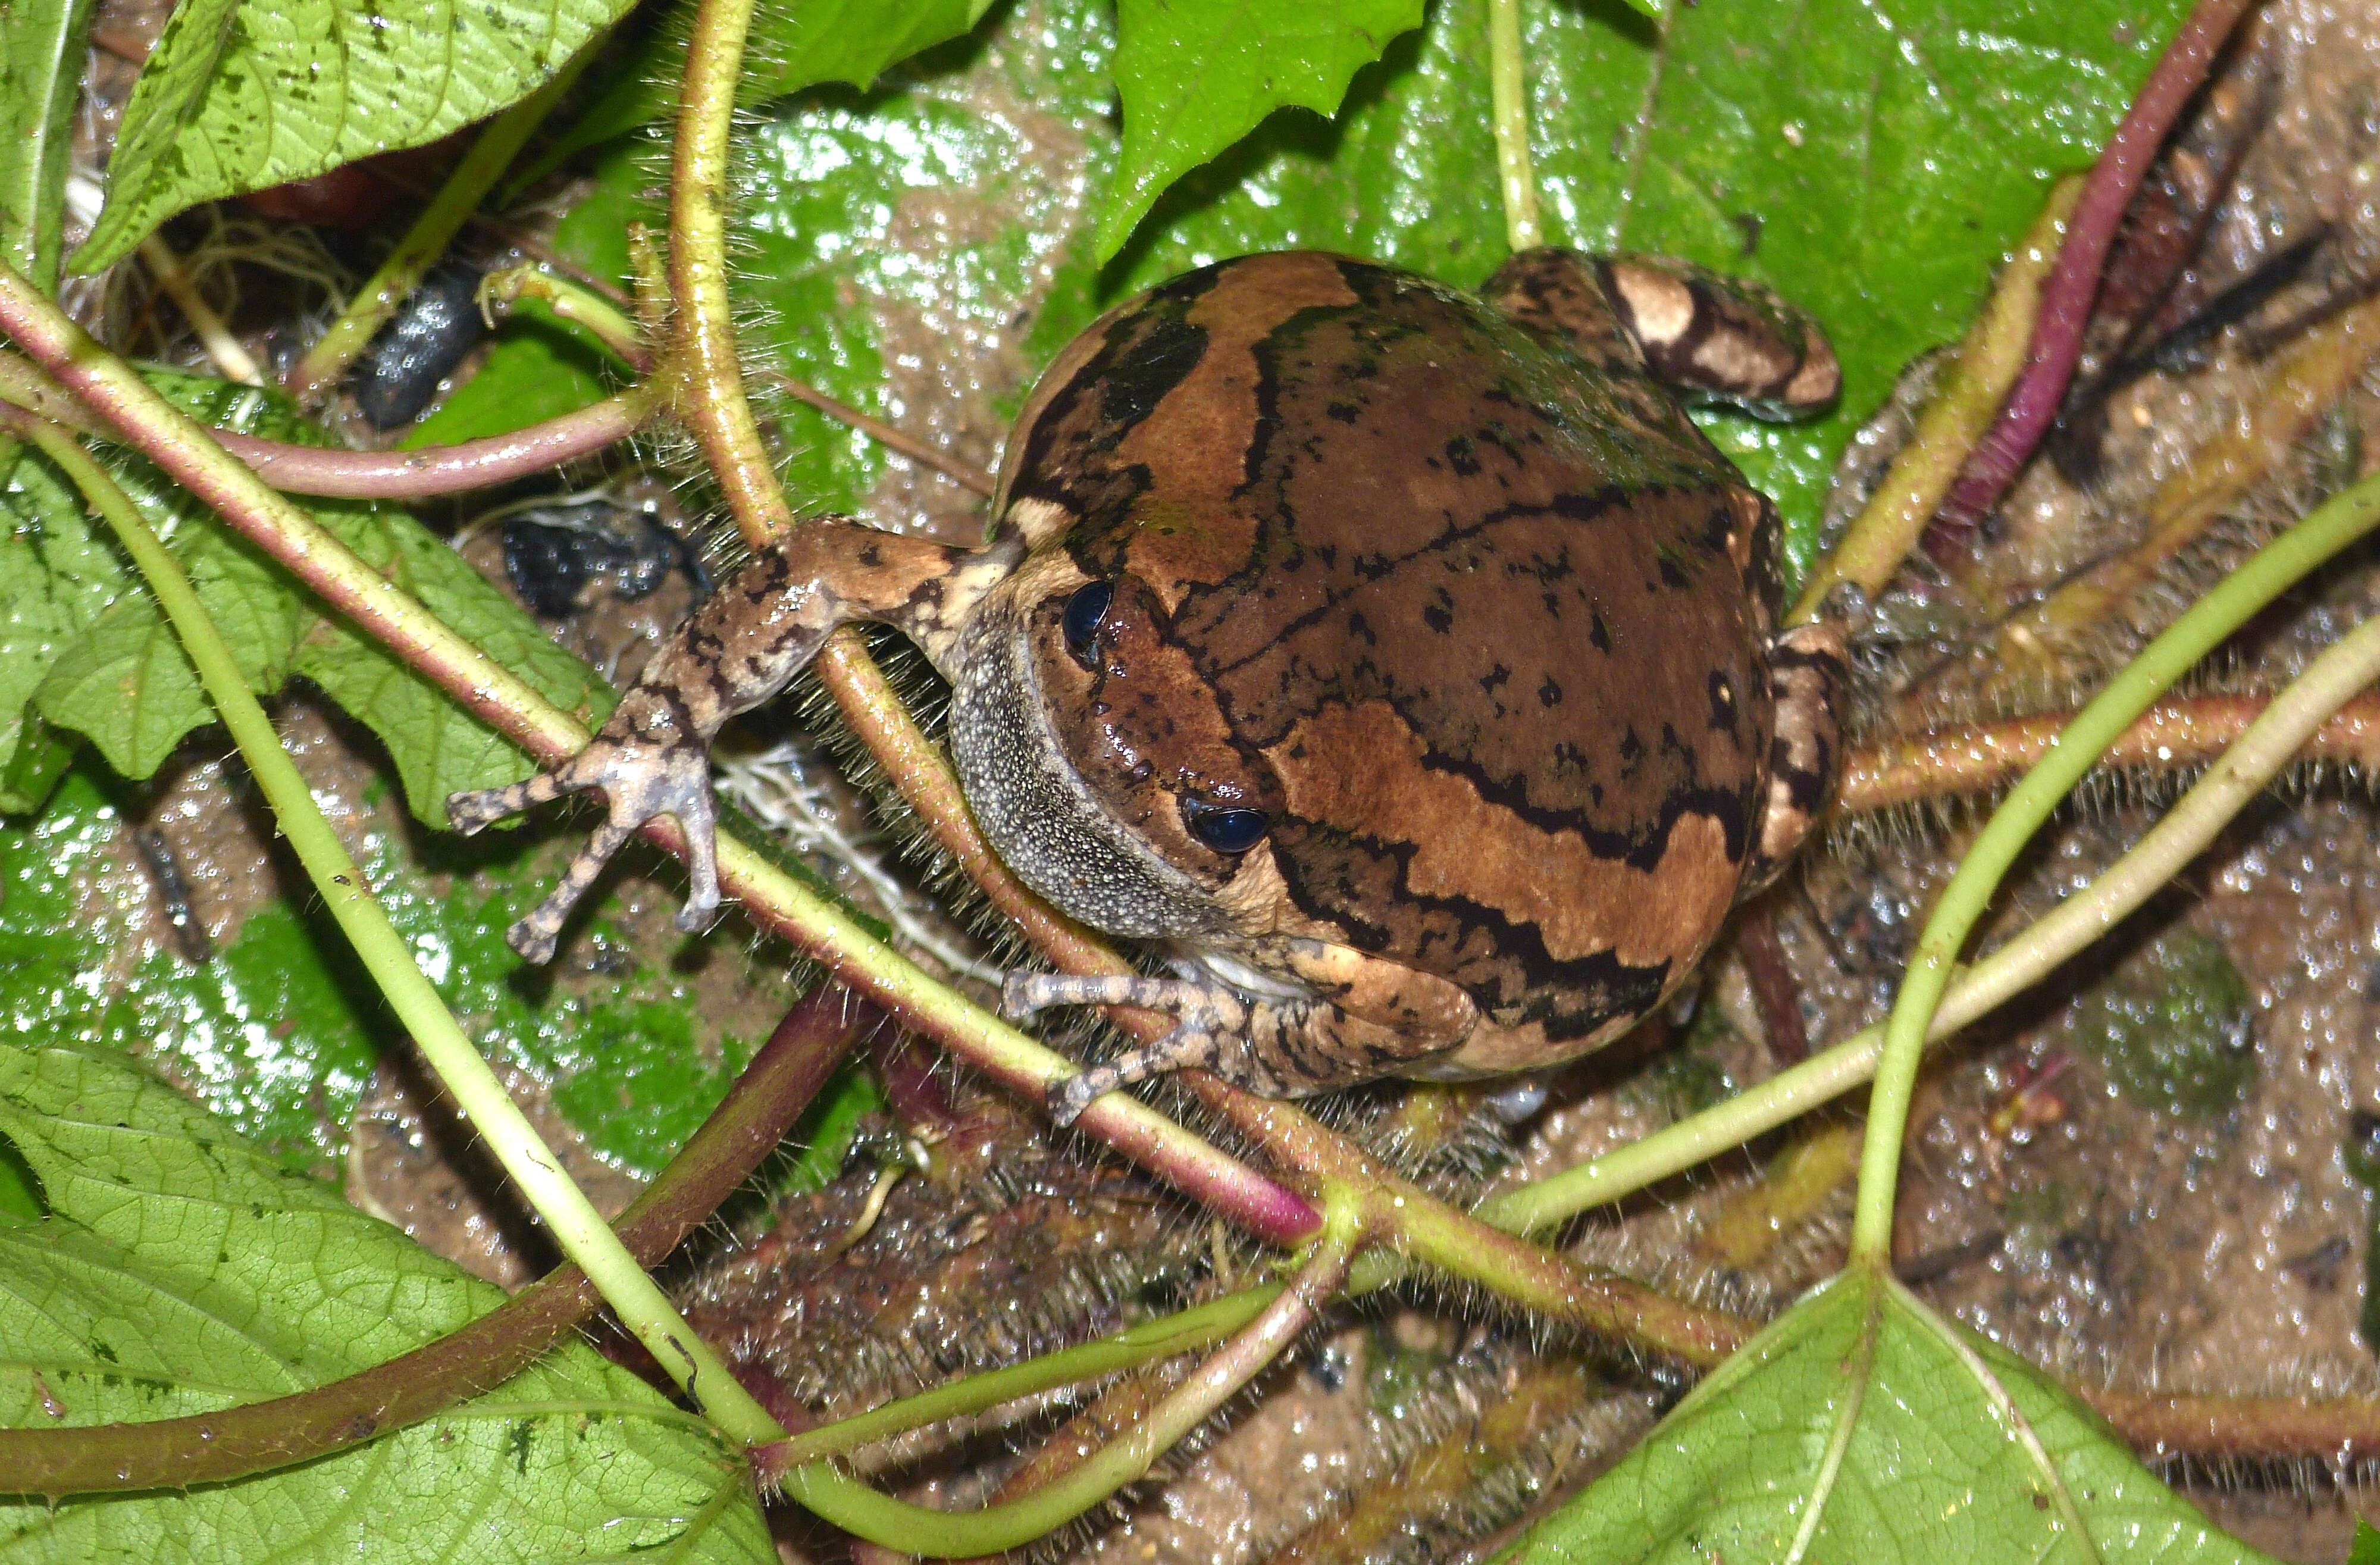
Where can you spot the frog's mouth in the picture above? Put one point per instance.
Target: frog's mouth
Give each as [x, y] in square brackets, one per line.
[1039, 813]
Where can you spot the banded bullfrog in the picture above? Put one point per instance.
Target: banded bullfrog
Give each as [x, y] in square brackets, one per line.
[1402, 663]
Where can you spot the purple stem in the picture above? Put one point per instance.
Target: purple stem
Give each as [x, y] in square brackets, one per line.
[442, 470]
[2066, 297]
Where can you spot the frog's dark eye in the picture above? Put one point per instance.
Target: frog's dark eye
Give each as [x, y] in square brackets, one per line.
[1225, 830]
[1083, 612]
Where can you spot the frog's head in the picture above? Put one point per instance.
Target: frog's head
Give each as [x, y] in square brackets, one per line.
[1098, 761]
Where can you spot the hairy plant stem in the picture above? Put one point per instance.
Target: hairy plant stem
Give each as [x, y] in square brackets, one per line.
[335, 473]
[2269, 572]
[214, 1447]
[774, 900]
[2066, 300]
[853, 1506]
[1508, 89]
[492, 152]
[707, 372]
[576, 1226]
[2171, 736]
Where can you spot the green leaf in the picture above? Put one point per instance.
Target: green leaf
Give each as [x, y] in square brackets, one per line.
[1911, 1438]
[126, 685]
[41, 68]
[794, 44]
[2366, 1549]
[1198, 75]
[83, 643]
[239, 97]
[179, 1270]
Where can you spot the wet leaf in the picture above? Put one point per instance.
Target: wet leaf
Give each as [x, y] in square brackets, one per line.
[1860, 1425]
[85, 645]
[1198, 75]
[239, 97]
[41, 67]
[179, 1270]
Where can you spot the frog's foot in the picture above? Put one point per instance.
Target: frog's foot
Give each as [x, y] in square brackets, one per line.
[648, 762]
[1808, 666]
[1212, 1032]
[1700, 332]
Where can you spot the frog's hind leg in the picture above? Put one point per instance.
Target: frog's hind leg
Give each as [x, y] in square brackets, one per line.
[1368, 1017]
[1729, 339]
[1808, 670]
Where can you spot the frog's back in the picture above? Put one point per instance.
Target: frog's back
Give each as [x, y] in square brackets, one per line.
[1488, 617]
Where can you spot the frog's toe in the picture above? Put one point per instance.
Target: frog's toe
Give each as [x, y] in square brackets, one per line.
[1068, 1098]
[1024, 994]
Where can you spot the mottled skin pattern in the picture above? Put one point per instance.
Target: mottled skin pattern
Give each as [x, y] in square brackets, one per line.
[1454, 599]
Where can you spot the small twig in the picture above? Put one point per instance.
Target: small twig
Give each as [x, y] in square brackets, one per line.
[2066, 300]
[166, 270]
[1508, 89]
[975, 481]
[2171, 736]
[375, 475]
[1970, 392]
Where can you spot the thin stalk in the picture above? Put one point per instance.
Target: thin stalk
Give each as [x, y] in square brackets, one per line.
[1969, 394]
[492, 152]
[577, 1228]
[607, 323]
[166, 270]
[708, 372]
[2172, 736]
[853, 1506]
[1508, 89]
[2272, 571]
[212, 1447]
[1182, 1332]
[378, 475]
[776, 902]
[2066, 301]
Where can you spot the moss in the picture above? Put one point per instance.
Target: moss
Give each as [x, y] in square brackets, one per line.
[2173, 1028]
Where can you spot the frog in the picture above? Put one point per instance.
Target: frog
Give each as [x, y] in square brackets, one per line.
[1401, 665]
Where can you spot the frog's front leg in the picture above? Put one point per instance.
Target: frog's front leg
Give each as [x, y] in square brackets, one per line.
[1730, 339]
[652, 755]
[1361, 1017]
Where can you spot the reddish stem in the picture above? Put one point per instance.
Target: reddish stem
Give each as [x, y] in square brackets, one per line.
[442, 470]
[2066, 300]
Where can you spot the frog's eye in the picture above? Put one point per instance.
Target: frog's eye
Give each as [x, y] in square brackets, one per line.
[1225, 830]
[1083, 612]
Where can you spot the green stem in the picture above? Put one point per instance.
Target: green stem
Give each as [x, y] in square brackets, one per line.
[715, 407]
[576, 1226]
[492, 152]
[2273, 570]
[853, 1506]
[1509, 93]
[1185, 1333]
[581, 306]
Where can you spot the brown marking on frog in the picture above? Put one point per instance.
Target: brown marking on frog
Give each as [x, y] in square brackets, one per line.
[1365, 773]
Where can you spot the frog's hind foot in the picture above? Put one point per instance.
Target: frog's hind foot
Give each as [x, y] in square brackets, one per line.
[1704, 332]
[1808, 670]
[644, 769]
